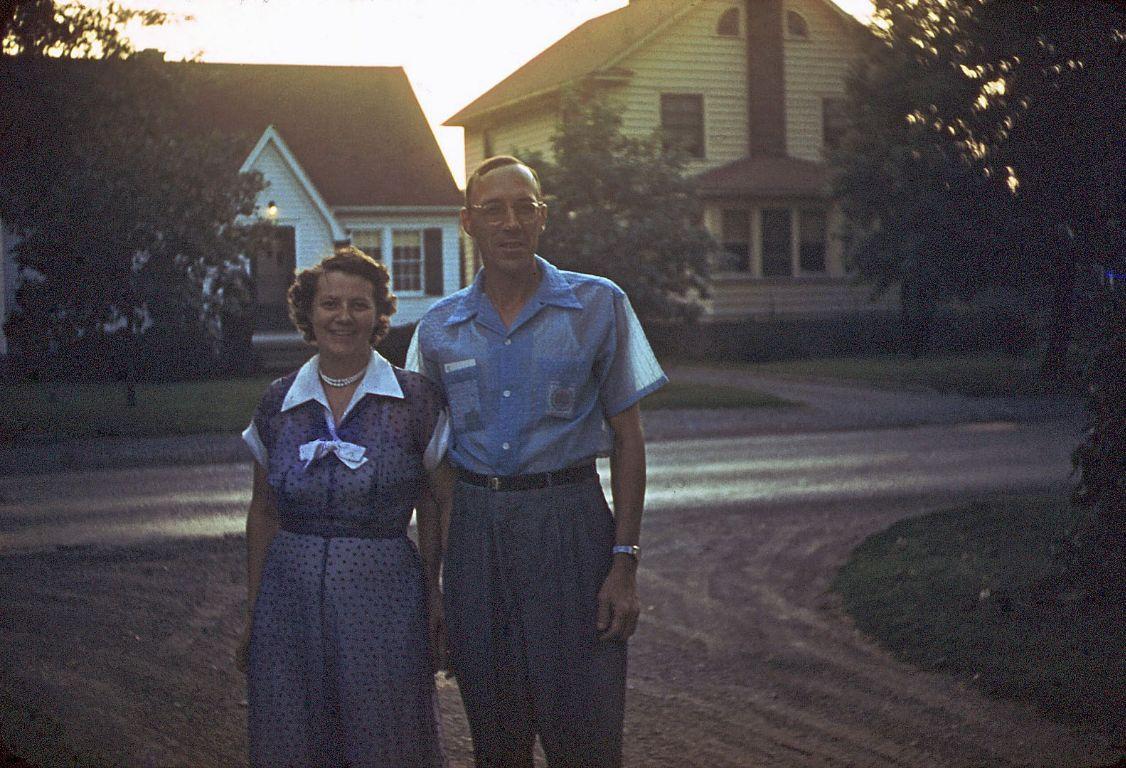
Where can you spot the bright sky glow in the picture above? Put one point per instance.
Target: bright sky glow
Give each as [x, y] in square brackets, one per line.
[452, 50]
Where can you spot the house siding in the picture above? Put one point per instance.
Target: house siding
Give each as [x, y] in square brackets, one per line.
[815, 68]
[689, 57]
[528, 133]
[312, 233]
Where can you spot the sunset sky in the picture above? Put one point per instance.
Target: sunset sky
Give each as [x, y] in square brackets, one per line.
[452, 50]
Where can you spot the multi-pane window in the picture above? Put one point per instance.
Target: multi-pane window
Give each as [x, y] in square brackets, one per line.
[776, 242]
[728, 24]
[796, 24]
[736, 241]
[834, 122]
[406, 260]
[813, 230]
[682, 122]
[370, 241]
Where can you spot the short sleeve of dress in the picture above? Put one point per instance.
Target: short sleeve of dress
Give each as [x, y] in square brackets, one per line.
[259, 434]
[632, 371]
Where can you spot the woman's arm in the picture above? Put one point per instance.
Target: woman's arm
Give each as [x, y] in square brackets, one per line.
[261, 525]
[433, 515]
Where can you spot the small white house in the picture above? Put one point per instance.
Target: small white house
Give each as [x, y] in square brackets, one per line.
[348, 157]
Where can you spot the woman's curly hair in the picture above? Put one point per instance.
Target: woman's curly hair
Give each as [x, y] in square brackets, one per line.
[353, 261]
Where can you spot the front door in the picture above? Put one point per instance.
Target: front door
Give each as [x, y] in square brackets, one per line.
[273, 270]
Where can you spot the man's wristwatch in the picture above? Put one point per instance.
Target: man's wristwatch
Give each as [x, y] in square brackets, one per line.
[632, 550]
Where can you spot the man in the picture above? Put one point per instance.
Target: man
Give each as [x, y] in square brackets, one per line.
[543, 371]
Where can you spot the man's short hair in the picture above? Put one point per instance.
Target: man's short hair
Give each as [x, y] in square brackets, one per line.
[491, 164]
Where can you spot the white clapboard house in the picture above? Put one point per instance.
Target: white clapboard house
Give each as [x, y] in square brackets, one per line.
[753, 90]
[347, 156]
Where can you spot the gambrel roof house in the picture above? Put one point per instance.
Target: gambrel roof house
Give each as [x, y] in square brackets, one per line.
[348, 156]
[752, 90]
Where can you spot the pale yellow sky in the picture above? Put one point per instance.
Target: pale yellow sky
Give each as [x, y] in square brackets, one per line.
[452, 50]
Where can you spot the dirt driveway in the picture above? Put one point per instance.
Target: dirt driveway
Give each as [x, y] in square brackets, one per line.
[122, 657]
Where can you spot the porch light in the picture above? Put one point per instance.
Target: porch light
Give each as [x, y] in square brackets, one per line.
[272, 211]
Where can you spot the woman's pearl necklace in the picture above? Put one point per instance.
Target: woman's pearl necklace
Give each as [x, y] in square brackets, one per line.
[347, 381]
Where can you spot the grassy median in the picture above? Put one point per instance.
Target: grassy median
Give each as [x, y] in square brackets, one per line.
[970, 375]
[79, 411]
[980, 591]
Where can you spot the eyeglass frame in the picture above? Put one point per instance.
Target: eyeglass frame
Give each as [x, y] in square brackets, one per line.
[537, 206]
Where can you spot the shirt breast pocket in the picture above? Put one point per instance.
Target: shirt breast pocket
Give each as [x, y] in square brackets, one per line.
[561, 378]
[463, 390]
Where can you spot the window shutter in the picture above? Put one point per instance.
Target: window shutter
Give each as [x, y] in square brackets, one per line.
[432, 255]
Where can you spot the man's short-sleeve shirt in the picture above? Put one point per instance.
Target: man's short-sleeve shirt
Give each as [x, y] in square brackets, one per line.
[535, 397]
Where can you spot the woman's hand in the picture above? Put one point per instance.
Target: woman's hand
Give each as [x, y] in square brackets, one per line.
[436, 633]
[242, 650]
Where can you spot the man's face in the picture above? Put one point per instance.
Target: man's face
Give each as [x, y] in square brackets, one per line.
[505, 219]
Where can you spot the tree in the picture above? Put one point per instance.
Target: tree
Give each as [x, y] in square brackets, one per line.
[124, 216]
[70, 29]
[1100, 459]
[986, 152]
[621, 208]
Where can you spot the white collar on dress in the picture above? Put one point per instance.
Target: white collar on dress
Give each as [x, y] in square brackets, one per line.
[379, 379]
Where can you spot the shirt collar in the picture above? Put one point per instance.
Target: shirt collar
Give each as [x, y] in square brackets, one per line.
[553, 289]
[379, 379]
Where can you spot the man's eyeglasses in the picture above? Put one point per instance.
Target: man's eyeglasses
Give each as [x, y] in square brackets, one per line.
[496, 213]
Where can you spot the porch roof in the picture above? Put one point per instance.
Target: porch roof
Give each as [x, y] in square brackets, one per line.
[766, 176]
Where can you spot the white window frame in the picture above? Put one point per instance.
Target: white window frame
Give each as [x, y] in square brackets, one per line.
[389, 239]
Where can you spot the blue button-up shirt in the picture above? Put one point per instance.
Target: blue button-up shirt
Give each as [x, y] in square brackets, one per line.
[535, 397]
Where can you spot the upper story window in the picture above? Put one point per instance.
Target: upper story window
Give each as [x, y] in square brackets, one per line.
[796, 25]
[834, 122]
[728, 25]
[682, 122]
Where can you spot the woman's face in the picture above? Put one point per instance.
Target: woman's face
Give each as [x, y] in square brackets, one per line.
[344, 315]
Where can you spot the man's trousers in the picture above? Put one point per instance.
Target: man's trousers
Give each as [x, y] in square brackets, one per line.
[522, 575]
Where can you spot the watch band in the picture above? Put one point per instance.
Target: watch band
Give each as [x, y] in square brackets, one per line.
[632, 550]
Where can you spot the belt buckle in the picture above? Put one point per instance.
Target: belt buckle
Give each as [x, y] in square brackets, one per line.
[493, 483]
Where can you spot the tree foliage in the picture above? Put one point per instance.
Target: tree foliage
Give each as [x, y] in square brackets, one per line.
[986, 152]
[71, 29]
[124, 209]
[1100, 459]
[622, 208]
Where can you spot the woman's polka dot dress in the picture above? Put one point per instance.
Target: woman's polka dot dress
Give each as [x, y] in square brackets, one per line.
[339, 663]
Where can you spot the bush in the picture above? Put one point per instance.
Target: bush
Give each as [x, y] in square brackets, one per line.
[957, 330]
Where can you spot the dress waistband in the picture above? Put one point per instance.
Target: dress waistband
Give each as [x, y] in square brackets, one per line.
[529, 482]
[341, 528]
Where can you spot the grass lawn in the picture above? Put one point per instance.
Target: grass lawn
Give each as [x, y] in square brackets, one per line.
[70, 411]
[677, 395]
[973, 375]
[975, 591]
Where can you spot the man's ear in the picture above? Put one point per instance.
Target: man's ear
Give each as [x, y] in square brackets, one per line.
[466, 223]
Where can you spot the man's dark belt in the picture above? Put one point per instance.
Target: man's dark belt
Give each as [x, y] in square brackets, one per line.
[340, 528]
[529, 482]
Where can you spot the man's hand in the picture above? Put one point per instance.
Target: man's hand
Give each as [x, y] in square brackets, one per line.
[618, 606]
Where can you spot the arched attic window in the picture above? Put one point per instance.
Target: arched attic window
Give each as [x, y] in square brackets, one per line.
[728, 25]
[796, 25]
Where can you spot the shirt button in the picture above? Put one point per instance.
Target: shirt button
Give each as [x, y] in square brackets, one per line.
[507, 393]
[508, 342]
[505, 446]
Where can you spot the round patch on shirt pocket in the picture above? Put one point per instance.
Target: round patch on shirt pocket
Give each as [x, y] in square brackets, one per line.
[560, 377]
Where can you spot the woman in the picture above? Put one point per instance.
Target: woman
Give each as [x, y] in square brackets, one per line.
[344, 627]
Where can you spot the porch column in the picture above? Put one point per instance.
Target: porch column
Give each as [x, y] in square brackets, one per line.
[756, 242]
[795, 241]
